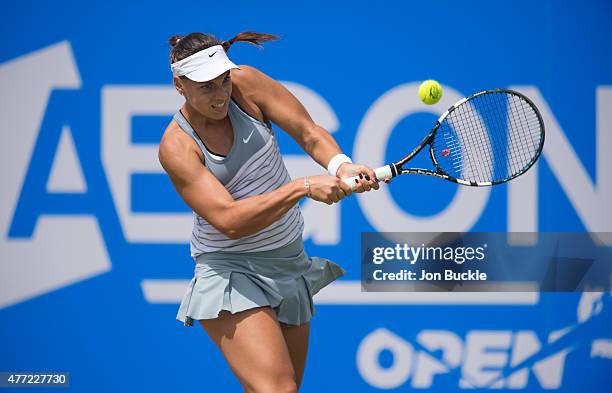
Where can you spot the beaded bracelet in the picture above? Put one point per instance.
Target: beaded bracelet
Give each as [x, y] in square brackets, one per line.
[307, 185]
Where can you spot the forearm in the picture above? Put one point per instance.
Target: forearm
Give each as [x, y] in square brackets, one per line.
[250, 215]
[320, 145]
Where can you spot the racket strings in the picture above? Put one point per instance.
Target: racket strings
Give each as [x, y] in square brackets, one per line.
[489, 138]
[499, 128]
[468, 146]
[523, 145]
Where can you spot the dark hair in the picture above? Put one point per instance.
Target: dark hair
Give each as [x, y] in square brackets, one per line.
[186, 45]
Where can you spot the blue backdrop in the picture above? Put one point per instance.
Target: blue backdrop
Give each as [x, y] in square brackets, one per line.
[94, 253]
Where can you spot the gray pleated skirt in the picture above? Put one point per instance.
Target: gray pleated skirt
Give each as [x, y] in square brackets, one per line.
[285, 279]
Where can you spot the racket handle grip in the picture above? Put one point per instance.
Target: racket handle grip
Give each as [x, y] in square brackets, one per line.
[383, 173]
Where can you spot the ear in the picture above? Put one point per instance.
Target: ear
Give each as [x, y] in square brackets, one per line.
[178, 84]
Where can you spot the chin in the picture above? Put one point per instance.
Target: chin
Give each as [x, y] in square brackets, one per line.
[212, 114]
[217, 114]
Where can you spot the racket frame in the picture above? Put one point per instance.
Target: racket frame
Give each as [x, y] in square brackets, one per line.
[397, 167]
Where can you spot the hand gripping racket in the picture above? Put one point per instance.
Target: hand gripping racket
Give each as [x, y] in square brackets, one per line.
[488, 138]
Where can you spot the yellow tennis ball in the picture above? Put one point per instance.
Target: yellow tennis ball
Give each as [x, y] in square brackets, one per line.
[430, 92]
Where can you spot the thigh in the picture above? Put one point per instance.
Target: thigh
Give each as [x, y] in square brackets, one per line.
[296, 338]
[254, 346]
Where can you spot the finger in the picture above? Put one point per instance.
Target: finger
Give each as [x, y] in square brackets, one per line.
[338, 189]
[366, 185]
[370, 179]
[345, 188]
[358, 186]
[370, 174]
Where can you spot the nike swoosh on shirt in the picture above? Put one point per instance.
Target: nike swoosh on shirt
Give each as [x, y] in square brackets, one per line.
[246, 140]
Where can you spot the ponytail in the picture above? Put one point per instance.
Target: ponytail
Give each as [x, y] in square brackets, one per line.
[183, 46]
[250, 37]
[174, 40]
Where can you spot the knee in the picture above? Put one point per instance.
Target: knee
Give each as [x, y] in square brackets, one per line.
[284, 385]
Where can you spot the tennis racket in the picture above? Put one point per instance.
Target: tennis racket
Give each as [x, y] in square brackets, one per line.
[488, 138]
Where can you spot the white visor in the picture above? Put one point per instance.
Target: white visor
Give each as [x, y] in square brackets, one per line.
[204, 65]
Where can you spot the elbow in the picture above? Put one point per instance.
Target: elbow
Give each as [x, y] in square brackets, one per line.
[232, 233]
[225, 220]
[230, 227]
[229, 230]
[310, 137]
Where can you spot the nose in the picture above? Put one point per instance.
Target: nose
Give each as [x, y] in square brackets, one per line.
[222, 95]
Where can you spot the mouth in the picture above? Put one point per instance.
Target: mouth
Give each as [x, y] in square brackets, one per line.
[219, 105]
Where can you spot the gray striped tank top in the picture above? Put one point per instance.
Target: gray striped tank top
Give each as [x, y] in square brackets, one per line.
[252, 167]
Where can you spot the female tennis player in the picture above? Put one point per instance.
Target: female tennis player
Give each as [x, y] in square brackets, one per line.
[253, 283]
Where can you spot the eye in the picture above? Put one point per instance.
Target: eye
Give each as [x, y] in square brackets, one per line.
[227, 79]
[206, 86]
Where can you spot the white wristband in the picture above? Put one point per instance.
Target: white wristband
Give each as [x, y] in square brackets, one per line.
[335, 163]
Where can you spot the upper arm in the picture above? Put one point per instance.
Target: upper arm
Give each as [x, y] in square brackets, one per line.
[198, 187]
[276, 102]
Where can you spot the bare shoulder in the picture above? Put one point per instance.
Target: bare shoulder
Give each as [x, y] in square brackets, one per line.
[247, 77]
[249, 89]
[251, 82]
[176, 146]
